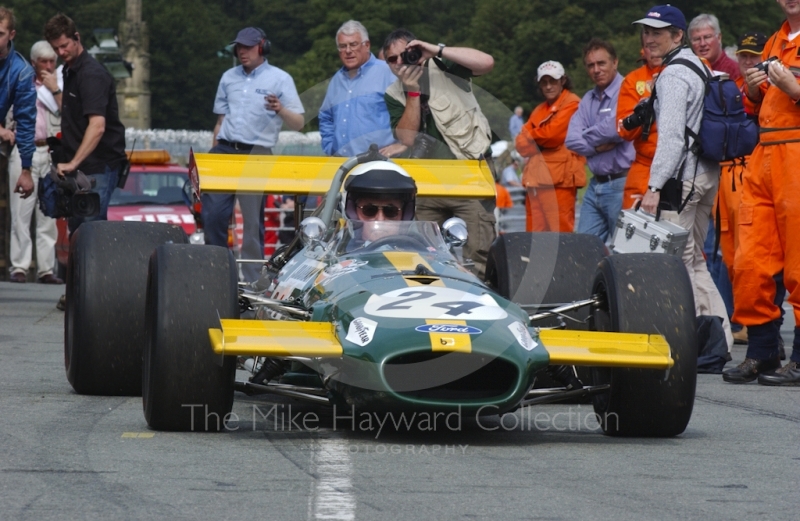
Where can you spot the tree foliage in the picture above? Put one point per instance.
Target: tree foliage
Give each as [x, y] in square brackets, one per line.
[185, 36]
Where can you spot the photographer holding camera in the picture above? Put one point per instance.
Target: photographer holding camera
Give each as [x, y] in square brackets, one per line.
[433, 111]
[768, 212]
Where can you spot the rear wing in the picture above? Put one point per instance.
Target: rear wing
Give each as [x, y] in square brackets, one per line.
[304, 175]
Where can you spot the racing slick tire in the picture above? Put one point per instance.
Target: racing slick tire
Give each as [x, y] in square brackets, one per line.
[546, 267]
[551, 268]
[186, 387]
[646, 293]
[105, 304]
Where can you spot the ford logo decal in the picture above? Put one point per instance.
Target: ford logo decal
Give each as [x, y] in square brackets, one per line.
[448, 328]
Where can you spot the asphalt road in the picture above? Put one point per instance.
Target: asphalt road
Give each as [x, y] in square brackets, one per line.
[66, 456]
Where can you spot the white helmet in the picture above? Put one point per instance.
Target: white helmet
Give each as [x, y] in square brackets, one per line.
[379, 179]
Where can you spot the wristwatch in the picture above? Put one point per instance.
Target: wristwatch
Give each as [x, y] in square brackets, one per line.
[654, 189]
[441, 48]
[56, 92]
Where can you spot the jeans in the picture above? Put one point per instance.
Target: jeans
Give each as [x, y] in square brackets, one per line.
[105, 182]
[602, 203]
[217, 211]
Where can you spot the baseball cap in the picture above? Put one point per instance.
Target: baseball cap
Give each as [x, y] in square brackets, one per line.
[550, 68]
[249, 36]
[661, 16]
[752, 43]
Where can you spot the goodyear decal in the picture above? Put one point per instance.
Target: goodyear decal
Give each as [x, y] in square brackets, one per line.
[522, 335]
[449, 335]
[435, 303]
[361, 331]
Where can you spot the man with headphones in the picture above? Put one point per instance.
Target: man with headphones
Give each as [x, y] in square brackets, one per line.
[253, 102]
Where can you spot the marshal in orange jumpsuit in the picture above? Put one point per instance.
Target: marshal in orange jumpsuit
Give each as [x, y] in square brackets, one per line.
[553, 173]
[769, 214]
[637, 86]
[730, 195]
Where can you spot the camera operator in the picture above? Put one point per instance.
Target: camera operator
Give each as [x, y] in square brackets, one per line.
[433, 111]
[93, 137]
[768, 212]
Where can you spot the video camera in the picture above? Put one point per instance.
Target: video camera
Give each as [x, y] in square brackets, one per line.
[68, 196]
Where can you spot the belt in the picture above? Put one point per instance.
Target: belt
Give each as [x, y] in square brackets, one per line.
[610, 177]
[40, 142]
[235, 145]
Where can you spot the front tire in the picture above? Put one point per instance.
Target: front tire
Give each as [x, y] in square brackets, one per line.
[186, 387]
[647, 293]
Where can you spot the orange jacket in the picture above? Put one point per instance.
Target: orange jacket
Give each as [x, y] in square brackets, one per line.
[637, 86]
[779, 116]
[545, 132]
[503, 198]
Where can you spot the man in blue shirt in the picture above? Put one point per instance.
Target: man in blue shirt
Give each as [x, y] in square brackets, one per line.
[17, 89]
[593, 134]
[515, 123]
[353, 114]
[253, 101]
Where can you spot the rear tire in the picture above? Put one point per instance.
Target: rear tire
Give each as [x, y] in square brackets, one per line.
[647, 293]
[550, 268]
[186, 387]
[105, 313]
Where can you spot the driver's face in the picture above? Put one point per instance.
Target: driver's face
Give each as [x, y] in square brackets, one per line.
[373, 211]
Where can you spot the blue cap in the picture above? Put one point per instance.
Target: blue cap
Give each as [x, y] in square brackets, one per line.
[662, 16]
[249, 36]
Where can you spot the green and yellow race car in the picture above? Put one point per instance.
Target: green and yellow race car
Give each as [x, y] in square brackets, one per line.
[389, 323]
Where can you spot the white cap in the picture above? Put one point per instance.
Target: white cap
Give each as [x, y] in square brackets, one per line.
[550, 68]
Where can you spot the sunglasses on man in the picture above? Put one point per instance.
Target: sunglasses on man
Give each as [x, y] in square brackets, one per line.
[371, 210]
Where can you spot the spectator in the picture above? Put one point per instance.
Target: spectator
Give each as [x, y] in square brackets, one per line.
[593, 134]
[17, 89]
[91, 132]
[636, 89]
[253, 100]
[553, 173]
[48, 124]
[510, 174]
[706, 39]
[768, 220]
[679, 105]
[353, 114]
[515, 123]
[422, 103]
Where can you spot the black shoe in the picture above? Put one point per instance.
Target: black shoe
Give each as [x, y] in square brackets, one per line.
[62, 303]
[749, 370]
[781, 349]
[786, 375]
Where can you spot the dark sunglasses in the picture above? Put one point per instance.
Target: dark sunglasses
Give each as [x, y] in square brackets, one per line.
[371, 210]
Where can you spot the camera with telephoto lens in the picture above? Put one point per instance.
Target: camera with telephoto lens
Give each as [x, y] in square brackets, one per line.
[764, 66]
[642, 116]
[411, 56]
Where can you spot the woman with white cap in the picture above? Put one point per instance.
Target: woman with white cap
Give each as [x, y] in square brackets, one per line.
[553, 173]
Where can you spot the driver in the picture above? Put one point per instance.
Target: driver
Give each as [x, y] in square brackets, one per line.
[379, 194]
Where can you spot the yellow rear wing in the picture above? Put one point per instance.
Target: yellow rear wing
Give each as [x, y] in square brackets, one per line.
[303, 175]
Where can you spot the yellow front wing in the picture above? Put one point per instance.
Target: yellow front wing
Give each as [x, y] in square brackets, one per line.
[275, 338]
[594, 348]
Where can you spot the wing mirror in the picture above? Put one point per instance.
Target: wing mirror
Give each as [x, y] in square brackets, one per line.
[455, 233]
[312, 229]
